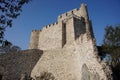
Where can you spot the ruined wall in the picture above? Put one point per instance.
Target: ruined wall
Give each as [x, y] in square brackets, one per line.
[63, 64]
[87, 75]
[14, 64]
[68, 63]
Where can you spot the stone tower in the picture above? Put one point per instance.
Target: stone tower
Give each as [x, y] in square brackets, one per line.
[69, 28]
[69, 49]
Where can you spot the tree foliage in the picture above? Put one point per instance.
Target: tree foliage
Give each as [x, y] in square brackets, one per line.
[112, 36]
[9, 48]
[111, 45]
[111, 42]
[9, 10]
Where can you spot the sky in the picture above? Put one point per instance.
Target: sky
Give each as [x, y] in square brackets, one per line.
[39, 13]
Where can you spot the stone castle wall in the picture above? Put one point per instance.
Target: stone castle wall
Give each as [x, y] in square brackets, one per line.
[55, 35]
[71, 49]
[14, 64]
[68, 63]
[34, 39]
[81, 12]
[51, 37]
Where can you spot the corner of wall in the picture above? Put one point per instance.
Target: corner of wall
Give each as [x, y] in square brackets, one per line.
[34, 39]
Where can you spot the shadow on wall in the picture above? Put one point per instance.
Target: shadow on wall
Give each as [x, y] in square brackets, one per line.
[45, 76]
[86, 75]
[16, 64]
[0, 77]
[79, 27]
[1, 72]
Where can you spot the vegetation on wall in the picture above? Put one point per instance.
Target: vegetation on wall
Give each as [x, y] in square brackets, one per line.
[9, 48]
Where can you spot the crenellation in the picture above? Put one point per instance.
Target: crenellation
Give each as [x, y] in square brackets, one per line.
[67, 14]
[40, 30]
[64, 15]
[50, 25]
[53, 24]
[83, 4]
[56, 23]
[35, 30]
[75, 10]
[44, 28]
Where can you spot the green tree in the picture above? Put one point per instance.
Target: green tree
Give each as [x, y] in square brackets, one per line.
[9, 48]
[9, 10]
[111, 43]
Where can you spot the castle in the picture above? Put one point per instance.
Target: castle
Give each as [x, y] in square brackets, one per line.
[69, 28]
[69, 48]
[66, 49]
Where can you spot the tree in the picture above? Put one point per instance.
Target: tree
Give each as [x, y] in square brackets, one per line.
[111, 46]
[9, 48]
[111, 42]
[9, 10]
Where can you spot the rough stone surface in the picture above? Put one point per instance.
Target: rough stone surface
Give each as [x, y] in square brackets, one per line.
[69, 27]
[13, 65]
[86, 75]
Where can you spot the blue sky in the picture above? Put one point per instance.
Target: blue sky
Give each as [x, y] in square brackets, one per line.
[39, 13]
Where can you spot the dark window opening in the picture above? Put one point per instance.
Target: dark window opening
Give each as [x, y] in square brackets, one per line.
[63, 34]
[1, 77]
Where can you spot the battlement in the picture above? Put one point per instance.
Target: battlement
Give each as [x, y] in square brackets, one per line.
[75, 16]
[81, 12]
[68, 13]
[69, 27]
[50, 25]
[36, 30]
[46, 27]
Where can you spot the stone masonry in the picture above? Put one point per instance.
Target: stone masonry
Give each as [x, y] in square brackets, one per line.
[69, 49]
[69, 27]
[15, 64]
